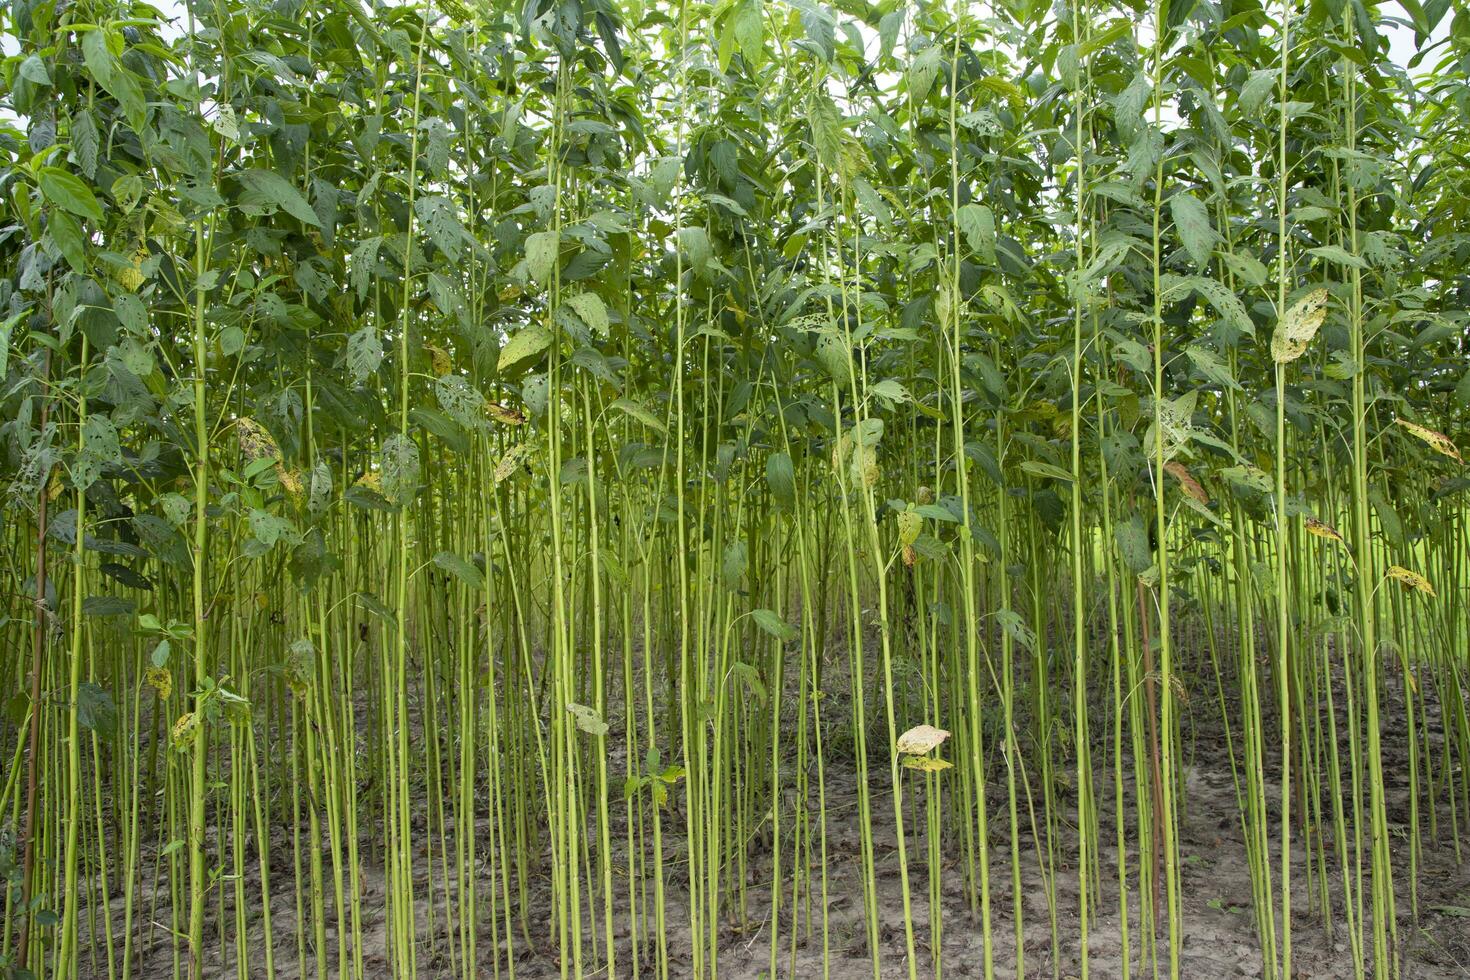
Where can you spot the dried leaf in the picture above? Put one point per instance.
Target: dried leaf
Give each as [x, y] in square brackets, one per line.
[504, 414]
[1187, 483]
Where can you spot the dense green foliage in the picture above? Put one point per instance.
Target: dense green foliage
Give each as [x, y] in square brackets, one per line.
[479, 475]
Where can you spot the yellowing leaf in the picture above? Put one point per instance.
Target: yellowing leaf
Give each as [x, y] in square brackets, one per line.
[927, 764]
[588, 720]
[1295, 330]
[909, 526]
[255, 441]
[921, 740]
[1323, 530]
[522, 348]
[1437, 441]
[1412, 580]
[511, 461]
[439, 357]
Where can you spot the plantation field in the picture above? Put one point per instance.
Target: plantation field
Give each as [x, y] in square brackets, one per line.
[1215, 881]
[734, 488]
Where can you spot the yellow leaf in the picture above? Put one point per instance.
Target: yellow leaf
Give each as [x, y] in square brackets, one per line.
[1437, 441]
[1410, 579]
[909, 526]
[927, 764]
[185, 730]
[290, 480]
[161, 680]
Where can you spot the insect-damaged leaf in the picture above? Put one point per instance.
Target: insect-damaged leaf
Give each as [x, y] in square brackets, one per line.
[921, 740]
[521, 350]
[1295, 330]
[587, 719]
[364, 353]
[542, 249]
[266, 187]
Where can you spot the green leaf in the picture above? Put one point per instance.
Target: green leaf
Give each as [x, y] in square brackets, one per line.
[462, 569]
[592, 311]
[523, 348]
[66, 232]
[1340, 256]
[64, 190]
[542, 249]
[781, 478]
[773, 625]
[1192, 222]
[733, 565]
[266, 187]
[107, 605]
[638, 412]
[95, 710]
[1046, 470]
[587, 719]
[891, 390]
[1132, 541]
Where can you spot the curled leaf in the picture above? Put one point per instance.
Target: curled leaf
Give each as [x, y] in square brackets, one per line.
[1412, 580]
[1437, 441]
[504, 414]
[1323, 530]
